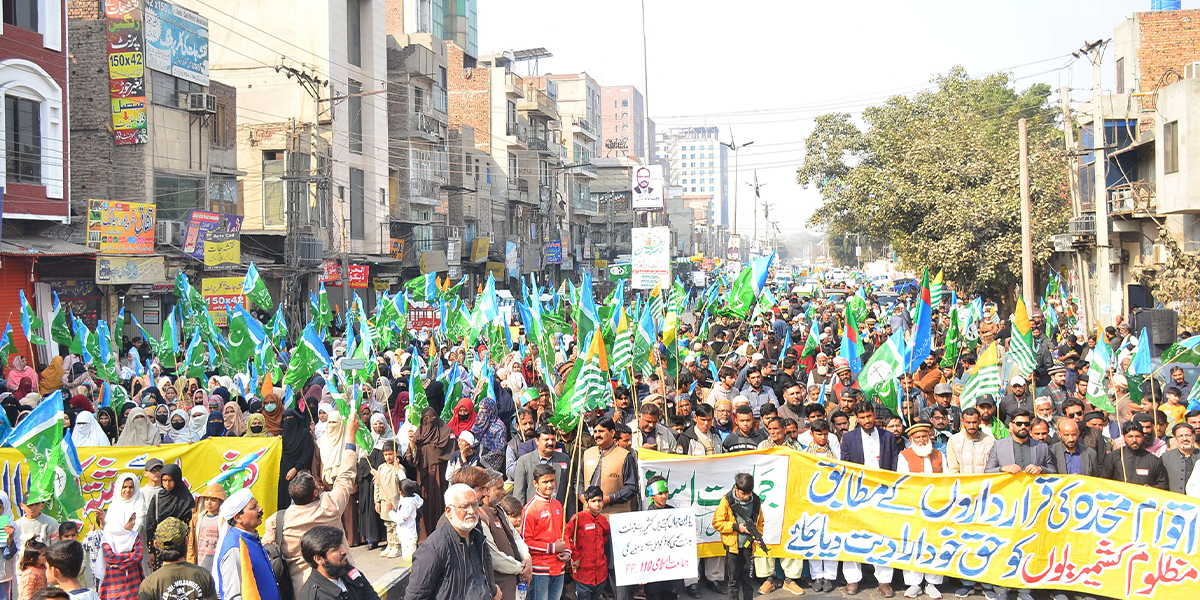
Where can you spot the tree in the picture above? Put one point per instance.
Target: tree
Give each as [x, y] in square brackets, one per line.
[937, 177]
[1175, 284]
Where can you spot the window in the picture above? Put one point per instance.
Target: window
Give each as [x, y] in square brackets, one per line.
[418, 100]
[217, 127]
[624, 102]
[222, 195]
[175, 197]
[21, 13]
[354, 32]
[167, 89]
[272, 187]
[512, 164]
[23, 140]
[354, 105]
[512, 112]
[1121, 75]
[1171, 147]
[357, 204]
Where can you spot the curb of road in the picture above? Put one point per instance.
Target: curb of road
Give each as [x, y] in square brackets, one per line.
[393, 584]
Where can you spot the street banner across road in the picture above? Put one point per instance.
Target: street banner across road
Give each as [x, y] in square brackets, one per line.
[651, 257]
[654, 545]
[200, 462]
[1063, 532]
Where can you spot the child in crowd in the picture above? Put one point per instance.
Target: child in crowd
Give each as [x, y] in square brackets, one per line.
[512, 509]
[587, 536]
[206, 528]
[387, 497]
[656, 489]
[543, 533]
[823, 572]
[737, 517]
[1175, 407]
[34, 524]
[403, 526]
[32, 569]
[64, 564]
[68, 530]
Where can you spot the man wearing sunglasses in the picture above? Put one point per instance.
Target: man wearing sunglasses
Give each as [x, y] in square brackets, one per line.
[1019, 398]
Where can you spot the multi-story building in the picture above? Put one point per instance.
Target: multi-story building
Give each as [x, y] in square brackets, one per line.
[454, 21]
[624, 131]
[1147, 185]
[35, 183]
[698, 164]
[579, 104]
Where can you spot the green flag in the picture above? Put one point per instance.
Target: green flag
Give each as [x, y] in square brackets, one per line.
[1097, 392]
[985, 377]
[878, 377]
[623, 346]
[255, 288]
[7, 347]
[60, 331]
[953, 335]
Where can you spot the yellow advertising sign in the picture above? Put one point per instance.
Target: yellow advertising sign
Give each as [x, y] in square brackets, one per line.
[222, 250]
[124, 65]
[1064, 532]
[221, 293]
[480, 247]
[200, 462]
[126, 227]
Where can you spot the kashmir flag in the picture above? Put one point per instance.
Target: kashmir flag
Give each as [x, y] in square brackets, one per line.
[255, 288]
[308, 358]
[935, 291]
[671, 342]
[985, 377]
[879, 376]
[60, 331]
[851, 346]
[30, 321]
[586, 389]
[921, 343]
[1021, 345]
[643, 343]
[623, 350]
[1097, 393]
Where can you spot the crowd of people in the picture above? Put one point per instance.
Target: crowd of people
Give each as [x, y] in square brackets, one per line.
[497, 503]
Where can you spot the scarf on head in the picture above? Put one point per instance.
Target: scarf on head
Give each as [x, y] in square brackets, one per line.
[234, 422]
[136, 503]
[298, 444]
[118, 538]
[274, 417]
[387, 436]
[52, 376]
[319, 427]
[110, 430]
[331, 445]
[256, 419]
[216, 425]
[485, 418]
[138, 431]
[178, 502]
[87, 432]
[435, 441]
[197, 423]
[458, 424]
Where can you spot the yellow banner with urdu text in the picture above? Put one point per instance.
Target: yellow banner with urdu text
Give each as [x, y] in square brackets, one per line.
[1064, 532]
[200, 462]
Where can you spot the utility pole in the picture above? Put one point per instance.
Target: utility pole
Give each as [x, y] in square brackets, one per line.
[733, 145]
[1076, 206]
[757, 196]
[1103, 257]
[1026, 216]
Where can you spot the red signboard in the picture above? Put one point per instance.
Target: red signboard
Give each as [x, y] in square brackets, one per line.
[359, 274]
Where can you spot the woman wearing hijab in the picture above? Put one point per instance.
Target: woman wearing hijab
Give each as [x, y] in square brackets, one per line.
[177, 427]
[173, 500]
[155, 396]
[126, 492]
[488, 430]
[87, 432]
[256, 426]
[233, 421]
[273, 411]
[197, 423]
[216, 425]
[107, 420]
[123, 552]
[323, 412]
[429, 451]
[464, 417]
[52, 377]
[370, 524]
[139, 431]
[80, 402]
[298, 450]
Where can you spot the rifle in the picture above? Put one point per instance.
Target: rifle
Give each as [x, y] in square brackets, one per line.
[750, 524]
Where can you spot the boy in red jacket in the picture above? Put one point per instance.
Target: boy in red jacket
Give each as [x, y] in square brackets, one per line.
[542, 529]
[587, 537]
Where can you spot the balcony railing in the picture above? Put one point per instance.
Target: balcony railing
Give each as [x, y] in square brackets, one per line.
[1132, 199]
[516, 130]
[423, 188]
[430, 123]
[1082, 225]
[585, 125]
[538, 144]
[514, 84]
[537, 100]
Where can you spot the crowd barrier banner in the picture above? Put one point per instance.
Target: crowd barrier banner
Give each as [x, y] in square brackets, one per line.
[1063, 532]
[200, 462]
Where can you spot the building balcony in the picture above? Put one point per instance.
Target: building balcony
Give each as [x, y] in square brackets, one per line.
[428, 125]
[1132, 200]
[584, 205]
[517, 134]
[518, 189]
[514, 84]
[587, 169]
[544, 193]
[424, 191]
[538, 144]
[538, 102]
[560, 151]
[579, 125]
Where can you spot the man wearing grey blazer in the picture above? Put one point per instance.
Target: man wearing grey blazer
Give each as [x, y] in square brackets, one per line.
[1070, 457]
[1020, 452]
[544, 455]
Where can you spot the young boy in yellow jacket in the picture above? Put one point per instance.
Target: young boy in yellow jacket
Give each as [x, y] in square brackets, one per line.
[739, 508]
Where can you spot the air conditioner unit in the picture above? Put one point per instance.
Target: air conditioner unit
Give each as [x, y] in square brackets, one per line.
[1116, 256]
[1159, 254]
[202, 103]
[1192, 71]
[169, 232]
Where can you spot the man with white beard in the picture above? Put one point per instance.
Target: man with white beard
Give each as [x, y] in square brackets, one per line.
[454, 562]
[921, 458]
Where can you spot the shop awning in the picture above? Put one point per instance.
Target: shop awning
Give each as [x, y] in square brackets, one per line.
[39, 246]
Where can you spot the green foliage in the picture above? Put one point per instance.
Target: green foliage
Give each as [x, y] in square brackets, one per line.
[937, 176]
[1175, 284]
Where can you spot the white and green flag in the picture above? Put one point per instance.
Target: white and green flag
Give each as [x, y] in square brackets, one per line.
[878, 377]
[256, 289]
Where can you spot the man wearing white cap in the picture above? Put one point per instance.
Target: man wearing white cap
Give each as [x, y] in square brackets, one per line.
[240, 517]
[1018, 399]
[921, 458]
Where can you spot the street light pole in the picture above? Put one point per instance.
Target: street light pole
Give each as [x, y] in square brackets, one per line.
[733, 145]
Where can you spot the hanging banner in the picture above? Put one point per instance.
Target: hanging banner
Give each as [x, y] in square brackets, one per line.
[654, 545]
[221, 294]
[126, 71]
[121, 227]
[480, 247]
[647, 187]
[1064, 532]
[651, 257]
[554, 252]
[359, 274]
[222, 251]
[116, 270]
[176, 41]
[512, 259]
[199, 223]
[200, 462]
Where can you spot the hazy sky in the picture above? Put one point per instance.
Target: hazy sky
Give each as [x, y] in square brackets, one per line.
[765, 68]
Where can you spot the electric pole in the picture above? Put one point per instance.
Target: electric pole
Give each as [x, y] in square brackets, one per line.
[757, 197]
[1076, 206]
[733, 145]
[1026, 216]
[1095, 51]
